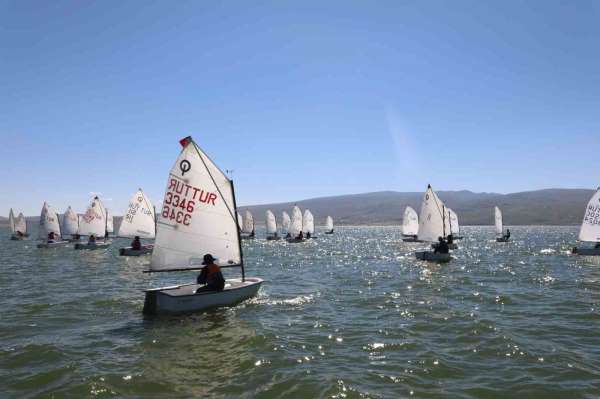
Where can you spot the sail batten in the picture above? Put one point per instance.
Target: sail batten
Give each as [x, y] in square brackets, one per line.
[590, 225]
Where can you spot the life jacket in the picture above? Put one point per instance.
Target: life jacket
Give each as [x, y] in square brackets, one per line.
[214, 277]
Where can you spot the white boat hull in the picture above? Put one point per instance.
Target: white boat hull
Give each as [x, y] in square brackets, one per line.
[98, 245]
[184, 299]
[502, 239]
[55, 244]
[586, 251]
[450, 246]
[129, 251]
[432, 256]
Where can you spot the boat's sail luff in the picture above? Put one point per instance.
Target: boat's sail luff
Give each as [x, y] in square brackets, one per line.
[285, 222]
[410, 222]
[329, 223]
[431, 220]
[248, 223]
[204, 223]
[498, 220]
[94, 220]
[11, 221]
[590, 226]
[49, 222]
[21, 224]
[296, 222]
[70, 222]
[308, 222]
[139, 219]
[271, 222]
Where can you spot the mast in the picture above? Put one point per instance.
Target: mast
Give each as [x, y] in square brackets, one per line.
[238, 233]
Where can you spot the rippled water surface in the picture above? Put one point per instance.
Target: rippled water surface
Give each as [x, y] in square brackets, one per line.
[345, 316]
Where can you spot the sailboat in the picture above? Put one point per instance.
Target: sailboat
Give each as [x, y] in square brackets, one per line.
[590, 227]
[452, 228]
[308, 224]
[295, 230]
[285, 224]
[329, 225]
[240, 221]
[49, 224]
[204, 221]
[248, 225]
[432, 225]
[410, 225]
[18, 226]
[70, 225]
[110, 228]
[454, 225]
[271, 223]
[500, 236]
[139, 221]
[93, 223]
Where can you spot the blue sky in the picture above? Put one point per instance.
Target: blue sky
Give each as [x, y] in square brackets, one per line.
[300, 98]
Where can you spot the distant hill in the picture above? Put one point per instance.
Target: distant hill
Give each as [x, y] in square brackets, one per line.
[541, 207]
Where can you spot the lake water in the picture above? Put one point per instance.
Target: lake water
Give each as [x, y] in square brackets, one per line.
[352, 315]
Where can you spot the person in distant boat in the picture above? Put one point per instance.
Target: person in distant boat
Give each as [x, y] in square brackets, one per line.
[300, 236]
[507, 235]
[92, 239]
[450, 239]
[136, 244]
[441, 247]
[210, 275]
[76, 237]
[19, 234]
[106, 235]
[307, 234]
[288, 235]
[51, 237]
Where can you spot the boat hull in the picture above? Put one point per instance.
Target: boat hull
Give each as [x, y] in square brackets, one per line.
[411, 239]
[17, 238]
[129, 251]
[502, 239]
[273, 238]
[432, 256]
[52, 244]
[450, 246]
[294, 240]
[98, 245]
[329, 232]
[586, 251]
[184, 299]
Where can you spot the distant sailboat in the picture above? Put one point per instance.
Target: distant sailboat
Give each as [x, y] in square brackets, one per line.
[140, 222]
[18, 226]
[205, 224]
[50, 227]
[590, 227]
[308, 224]
[285, 224]
[329, 225]
[452, 228]
[410, 225]
[71, 225]
[93, 224]
[295, 230]
[240, 221]
[271, 224]
[248, 229]
[110, 228]
[432, 225]
[454, 225]
[500, 236]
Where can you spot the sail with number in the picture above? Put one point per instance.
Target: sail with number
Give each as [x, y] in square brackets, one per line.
[21, 224]
[453, 220]
[198, 214]
[410, 222]
[48, 222]
[308, 222]
[433, 217]
[296, 222]
[139, 220]
[11, 221]
[271, 223]
[329, 223]
[70, 224]
[248, 222]
[109, 222]
[285, 222]
[590, 226]
[93, 221]
[498, 220]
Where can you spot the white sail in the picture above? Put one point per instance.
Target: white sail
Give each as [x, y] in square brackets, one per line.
[197, 216]
[308, 222]
[94, 220]
[296, 222]
[453, 220]
[21, 224]
[139, 218]
[271, 223]
[410, 222]
[11, 221]
[329, 223]
[248, 223]
[48, 222]
[433, 218]
[590, 226]
[240, 221]
[70, 223]
[498, 220]
[109, 222]
[285, 222]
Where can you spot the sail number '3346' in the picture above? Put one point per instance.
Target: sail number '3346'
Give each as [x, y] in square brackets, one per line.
[181, 199]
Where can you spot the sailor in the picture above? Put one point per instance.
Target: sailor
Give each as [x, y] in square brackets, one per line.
[441, 247]
[288, 235]
[300, 236]
[251, 234]
[51, 237]
[307, 235]
[450, 239]
[136, 244]
[92, 239]
[76, 237]
[210, 275]
[19, 234]
[507, 235]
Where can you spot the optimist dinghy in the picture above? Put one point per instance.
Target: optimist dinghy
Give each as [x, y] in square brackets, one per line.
[454, 225]
[139, 221]
[329, 225]
[202, 221]
[248, 225]
[285, 223]
[500, 236]
[49, 224]
[93, 223]
[271, 223]
[18, 226]
[308, 224]
[70, 225]
[410, 225]
[590, 227]
[295, 226]
[432, 225]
